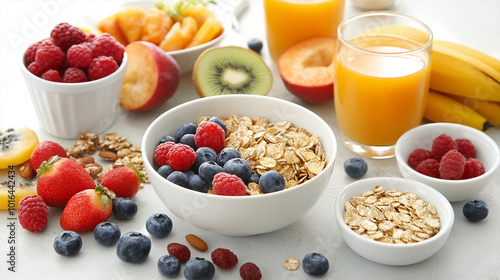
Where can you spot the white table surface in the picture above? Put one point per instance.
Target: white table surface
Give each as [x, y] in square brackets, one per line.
[470, 253]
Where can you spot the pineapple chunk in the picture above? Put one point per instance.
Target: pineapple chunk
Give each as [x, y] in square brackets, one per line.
[109, 25]
[210, 29]
[180, 35]
[130, 21]
[156, 25]
[199, 12]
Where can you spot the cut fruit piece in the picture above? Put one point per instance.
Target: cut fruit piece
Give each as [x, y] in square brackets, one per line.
[179, 35]
[231, 70]
[110, 25]
[130, 21]
[199, 12]
[16, 145]
[151, 78]
[210, 29]
[20, 191]
[307, 69]
[156, 25]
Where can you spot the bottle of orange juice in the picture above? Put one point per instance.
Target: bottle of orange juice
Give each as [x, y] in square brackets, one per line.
[292, 21]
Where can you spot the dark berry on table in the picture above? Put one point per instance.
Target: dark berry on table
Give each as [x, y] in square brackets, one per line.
[179, 178]
[203, 154]
[238, 167]
[188, 139]
[169, 266]
[208, 170]
[254, 178]
[199, 269]
[226, 154]
[180, 251]
[133, 247]
[107, 233]
[187, 128]
[271, 181]
[196, 183]
[255, 44]
[159, 225]
[220, 122]
[167, 138]
[315, 264]
[250, 271]
[68, 243]
[124, 208]
[165, 170]
[475, 210]
[355, 167]
[224, 258]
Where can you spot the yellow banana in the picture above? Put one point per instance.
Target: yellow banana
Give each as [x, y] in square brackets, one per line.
[489, 60]
[441, 108]
[488, 109]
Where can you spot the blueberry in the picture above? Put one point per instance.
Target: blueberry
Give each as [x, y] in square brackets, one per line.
[475, 210]
[355, 167]
[133, 247]
[124, 208]
[68, 243]
[271, 181]
[169, 266]
[238, 167]
[203, 154]
[220, 122]
[107, 233]
[315, 264]
[159, 225]
[188, 139]
[227, 154]
[179, 178]
[167, 138]
[254, 177]
[196, 183]
[187, 128]
[165, 170]
[208, 170]
[255, 44]
[199, 269]
[189, 174]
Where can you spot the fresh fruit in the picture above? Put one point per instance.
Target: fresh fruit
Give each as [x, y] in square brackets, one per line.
[208, 170]
[133, 247]
[239, 167]
[429, 167]
[156, 25]
[19, 191]
[180, 251]
[250, 271]
[179, 35]
[106, 45]
[196, 183]
[68, 243]
[452, 165]
[33, 213]
[199, 268]
[307, 69]
[52, 75]
[466, 148]
[74, 75]
[107, 233]
[203, 154]
[255, 44]
[16, 145]
[124, 181]
[220, 122]
[315, 264]
[101, 67]
[210, 134]
[441, 145]
[161, 151]
[178, 178]
[165, 171]
[151, 78]
[355, 167]
[473, 168]
[417, 156]
[110, 25]
[475, 210]
[210, 29]
[124, 208]
[130, 21]
[271, 181]
[231, 70]
[159, 225]
[169, 266]
[65, 35]
[86, 209]
[224, 258]
[44, 151]
[488, 109]
[80, 55]
[228, 184]
[227, 154]
[187, 128]
[60, 178]
[180, 157]
[196, 242]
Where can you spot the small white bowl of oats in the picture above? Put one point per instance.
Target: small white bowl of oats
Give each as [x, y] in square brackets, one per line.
[253, 213]
[393, 221]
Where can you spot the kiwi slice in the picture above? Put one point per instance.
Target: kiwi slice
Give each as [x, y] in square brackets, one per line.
[231, 70]
[16, 145]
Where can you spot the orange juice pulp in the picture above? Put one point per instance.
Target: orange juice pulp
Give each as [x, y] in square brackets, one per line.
[378, 98]
[292, 21]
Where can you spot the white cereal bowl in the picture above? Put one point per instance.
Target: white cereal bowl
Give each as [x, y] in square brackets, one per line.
[487, 152]
[395, 254]
[246, 215]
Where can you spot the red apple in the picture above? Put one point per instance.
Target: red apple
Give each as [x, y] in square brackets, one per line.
[307, 70]
[151, 78]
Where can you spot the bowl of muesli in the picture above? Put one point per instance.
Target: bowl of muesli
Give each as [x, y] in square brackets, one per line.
[393, 221]
[270, 134]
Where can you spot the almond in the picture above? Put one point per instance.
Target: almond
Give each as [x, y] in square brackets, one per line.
[26, 171]
[108, 155]
[196, 242]
[85, 160]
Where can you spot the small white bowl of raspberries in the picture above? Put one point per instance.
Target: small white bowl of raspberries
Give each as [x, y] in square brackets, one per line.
[74, 80]
[457, 160]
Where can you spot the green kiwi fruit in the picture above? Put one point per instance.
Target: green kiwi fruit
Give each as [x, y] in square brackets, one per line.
[16, 145]
[231, 70]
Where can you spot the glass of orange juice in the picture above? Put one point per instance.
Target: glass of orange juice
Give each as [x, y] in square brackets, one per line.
[291, 21]
[382, 73]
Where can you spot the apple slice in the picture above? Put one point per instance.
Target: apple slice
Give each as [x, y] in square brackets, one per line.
[151, 78]
[307, 69]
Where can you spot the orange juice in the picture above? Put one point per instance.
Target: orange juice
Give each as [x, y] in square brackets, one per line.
[379, 97]
[292, 21]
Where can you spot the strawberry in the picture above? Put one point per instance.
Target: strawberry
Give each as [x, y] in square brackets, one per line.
[124, 181]
[88, 208]
[59, 179]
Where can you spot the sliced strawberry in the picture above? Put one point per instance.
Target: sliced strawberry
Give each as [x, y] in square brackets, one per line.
[124, 181]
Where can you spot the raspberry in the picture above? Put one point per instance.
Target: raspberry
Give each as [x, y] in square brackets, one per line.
[79, 56]
[65, 35]
[429, 167]
[180, 157]
[452, 165]
[33, 213]
[52, 75]
[90, 37]
[31, 52]
[181, 252]
[161, 151]
[35, 69]
[49, 57]
[417, 156]
[224, 258]
[74, 75]
[473, 168]
[466, 148]
[210, 134]
[441, 145]
[250, 271]
[101, 67]
[228, 184]
[107, 45]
